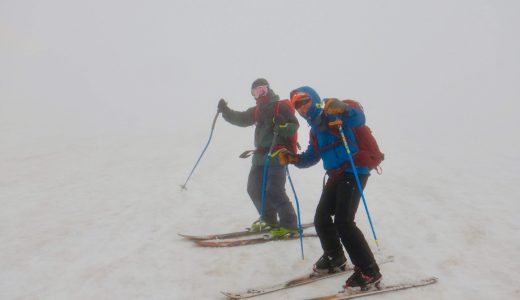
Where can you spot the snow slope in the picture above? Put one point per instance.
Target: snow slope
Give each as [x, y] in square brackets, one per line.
[106, 105]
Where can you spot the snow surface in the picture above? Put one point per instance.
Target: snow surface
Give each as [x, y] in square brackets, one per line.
[106, 105]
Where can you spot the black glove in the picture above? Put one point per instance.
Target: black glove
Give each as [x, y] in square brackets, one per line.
[222, 106]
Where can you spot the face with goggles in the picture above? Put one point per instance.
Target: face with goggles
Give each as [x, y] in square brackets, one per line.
[260, 91]
[302, 103]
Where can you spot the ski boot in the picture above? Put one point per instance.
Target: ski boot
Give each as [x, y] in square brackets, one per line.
[330, 263]
[261, 225]
[364, 279]
[282, 232]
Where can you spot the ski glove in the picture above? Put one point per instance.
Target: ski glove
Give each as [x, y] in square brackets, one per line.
[335, 107]
[222, 106]
[287, 157]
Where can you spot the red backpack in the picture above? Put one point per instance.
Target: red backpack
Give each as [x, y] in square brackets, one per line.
[368, 154]
[293, 139]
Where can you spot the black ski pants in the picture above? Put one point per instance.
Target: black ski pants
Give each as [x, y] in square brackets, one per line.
[340, 198]
[276, 201]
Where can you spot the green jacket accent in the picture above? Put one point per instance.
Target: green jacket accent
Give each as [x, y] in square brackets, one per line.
[263, 116]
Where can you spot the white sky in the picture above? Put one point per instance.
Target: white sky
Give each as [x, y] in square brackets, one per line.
[151, 65]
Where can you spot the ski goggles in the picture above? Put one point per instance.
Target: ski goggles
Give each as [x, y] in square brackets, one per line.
[303, 106]
[259, 91]
[300, 100]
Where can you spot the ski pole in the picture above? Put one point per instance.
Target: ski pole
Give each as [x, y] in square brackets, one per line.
[300, 230]
[183, 186]
[358, 182]
[264, 178]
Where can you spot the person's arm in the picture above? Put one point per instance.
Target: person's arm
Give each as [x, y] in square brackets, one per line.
[310, 156]
[353, 117]
[337, 111]
[238, 118]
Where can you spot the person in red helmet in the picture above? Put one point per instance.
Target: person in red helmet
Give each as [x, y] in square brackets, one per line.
[268, 115]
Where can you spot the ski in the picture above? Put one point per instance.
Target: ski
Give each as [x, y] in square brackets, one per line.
[350, 294]
[250, 241]
[229, 235]
[301, 280]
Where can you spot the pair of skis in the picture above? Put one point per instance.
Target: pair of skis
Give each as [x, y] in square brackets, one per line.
[242, 238]
[305, 279]
[346, 294]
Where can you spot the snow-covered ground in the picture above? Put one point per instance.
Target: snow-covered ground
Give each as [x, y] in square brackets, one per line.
[106, 105]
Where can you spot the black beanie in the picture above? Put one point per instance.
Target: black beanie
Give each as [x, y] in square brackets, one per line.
[259, 82]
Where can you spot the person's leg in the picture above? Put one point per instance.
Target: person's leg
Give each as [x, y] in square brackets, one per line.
[254, 189]
[325, 228]
[353, 240]
[333, 257]
[276, 198]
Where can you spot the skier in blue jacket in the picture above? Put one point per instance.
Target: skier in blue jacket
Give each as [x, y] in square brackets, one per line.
[340, 196]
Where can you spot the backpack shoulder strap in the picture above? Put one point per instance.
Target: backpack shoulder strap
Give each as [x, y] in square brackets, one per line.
[285, 102]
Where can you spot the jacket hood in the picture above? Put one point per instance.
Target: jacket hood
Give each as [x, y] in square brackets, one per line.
[316, 108]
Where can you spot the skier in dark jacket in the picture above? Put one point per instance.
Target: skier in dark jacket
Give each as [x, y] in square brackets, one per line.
[269, 115]
[340, 196]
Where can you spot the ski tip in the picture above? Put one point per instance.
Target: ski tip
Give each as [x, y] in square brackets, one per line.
[229, 295]
[193, 237]
[432, 279]
[428, 280]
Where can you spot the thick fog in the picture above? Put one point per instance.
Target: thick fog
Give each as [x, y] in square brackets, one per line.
[105, 106]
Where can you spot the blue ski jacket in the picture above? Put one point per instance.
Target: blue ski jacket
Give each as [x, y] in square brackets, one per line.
[325, 142]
